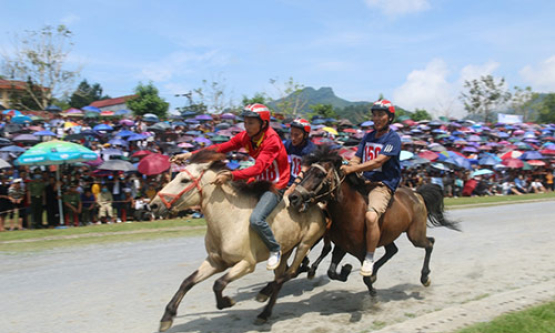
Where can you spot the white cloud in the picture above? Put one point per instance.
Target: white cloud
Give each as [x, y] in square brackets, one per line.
[431, 89]
[541, 76]
[399, 7]
[70, 19]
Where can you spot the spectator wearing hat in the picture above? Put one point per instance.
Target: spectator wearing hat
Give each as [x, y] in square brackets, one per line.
[37, 198]
[16, 193]
[72, 204]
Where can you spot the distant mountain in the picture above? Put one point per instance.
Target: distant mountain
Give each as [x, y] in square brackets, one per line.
[324, 95]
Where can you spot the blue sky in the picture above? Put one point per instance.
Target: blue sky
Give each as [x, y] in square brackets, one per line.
[418, 53]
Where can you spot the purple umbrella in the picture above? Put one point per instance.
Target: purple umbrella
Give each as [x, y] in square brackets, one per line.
[531, 155]
[126, 122]
[474, 138]
[202, 139]
[203, 117]
[469, 149]
[74, 111]
[228, 115]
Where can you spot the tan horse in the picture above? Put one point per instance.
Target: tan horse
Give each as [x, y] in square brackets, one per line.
[229, 240]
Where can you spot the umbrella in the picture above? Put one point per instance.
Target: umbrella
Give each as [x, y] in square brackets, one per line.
[536, 162]
[117, 165]
[188, 113]
[136, 137]
[481, 172]
[13, 149]
[440, 166]
[21, 119]
[154, 164]
[159, 127]
[511, 154]
[90, 108]
[4, 164]
[436, 147]
[228, 115]
[44, 133]
[203, 117]
[30, 138]
[469, 149]
[513, 163]
[330, 130]
[11, 113]
[202, 139]
[103, 127]
[151, 118]
[56, 152]
[106, 153]
[367, 123]
[488, 160]
[141, 153]
[12, 128]
[118, 142]
[221, 126]
[429, 155]
[126, 122]
[405, 155]
[124, 133]
[531, 155]
[107, 113]
[122, 112]
[53, 108]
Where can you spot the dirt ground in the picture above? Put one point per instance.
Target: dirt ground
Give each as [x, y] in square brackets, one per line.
[502, 261]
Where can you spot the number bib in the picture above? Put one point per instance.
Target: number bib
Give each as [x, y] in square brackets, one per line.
[296, 162]
[271, 174]
[371, 151]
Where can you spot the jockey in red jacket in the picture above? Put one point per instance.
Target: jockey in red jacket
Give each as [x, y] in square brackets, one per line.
[271, 163]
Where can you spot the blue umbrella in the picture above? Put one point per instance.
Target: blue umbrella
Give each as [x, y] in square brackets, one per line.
[12, 149]
[11, 112]
[122, 112]
[118, 142]
[91, 109]
[488, 160]
[21, 119]
[44, 133]
[136, 137]
[203, 117]
[531, 155]
[103, 127]
[367, 123]
[125, 133]
[481, 172]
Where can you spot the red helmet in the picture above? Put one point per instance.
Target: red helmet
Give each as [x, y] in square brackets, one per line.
[257, 110]
[302, 124]
[384, 105]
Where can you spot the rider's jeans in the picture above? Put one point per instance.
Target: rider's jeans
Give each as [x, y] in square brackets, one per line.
[264, 207]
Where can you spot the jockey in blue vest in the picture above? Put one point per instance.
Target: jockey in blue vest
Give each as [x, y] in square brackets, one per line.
[296, 148]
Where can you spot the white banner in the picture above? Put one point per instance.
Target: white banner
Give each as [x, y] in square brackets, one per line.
[509, 118]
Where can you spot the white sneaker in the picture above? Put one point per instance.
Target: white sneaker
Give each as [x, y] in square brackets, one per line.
[118, 220]
[367, 268]
[273, 261]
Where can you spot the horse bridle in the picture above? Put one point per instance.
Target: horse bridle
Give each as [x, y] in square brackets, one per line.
[313, 196]
[195, 183]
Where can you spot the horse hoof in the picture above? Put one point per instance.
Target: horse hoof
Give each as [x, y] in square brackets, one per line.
[261, 298]
[165, 325]
[427, 283]
[260, 321]
[226, 303]
[373, 278]
[311, 274]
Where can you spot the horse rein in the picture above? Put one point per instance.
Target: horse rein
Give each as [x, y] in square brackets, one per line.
[195, 183]
[314, 197]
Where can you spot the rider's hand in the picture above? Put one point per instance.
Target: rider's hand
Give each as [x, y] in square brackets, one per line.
[180, 158]
[223, 177]
[347, 169]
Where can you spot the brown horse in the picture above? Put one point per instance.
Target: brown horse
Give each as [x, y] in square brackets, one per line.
[229, 240]
[347, 202]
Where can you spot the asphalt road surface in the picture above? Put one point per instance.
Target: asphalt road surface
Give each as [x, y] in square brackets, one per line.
[502, 261]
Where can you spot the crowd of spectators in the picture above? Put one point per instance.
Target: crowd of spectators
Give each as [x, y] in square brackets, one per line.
[89, 195]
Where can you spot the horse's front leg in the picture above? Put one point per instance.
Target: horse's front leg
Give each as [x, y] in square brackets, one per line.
[325, 251]
[390, 250]
[337, 256]
[240, 269]
[206, 269]
[267, 291]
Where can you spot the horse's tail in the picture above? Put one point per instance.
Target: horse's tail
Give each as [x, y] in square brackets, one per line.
[433, 199]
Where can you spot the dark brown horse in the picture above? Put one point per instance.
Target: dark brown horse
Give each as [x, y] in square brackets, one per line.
[347, 202]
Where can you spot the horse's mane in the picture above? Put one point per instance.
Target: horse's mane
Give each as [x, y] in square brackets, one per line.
[256, 188]
[326, 153]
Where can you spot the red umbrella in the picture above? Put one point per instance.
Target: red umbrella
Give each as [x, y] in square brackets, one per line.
[429, 155]
[511, 154]
[154, 164]
[141, 153]
[350, 130]
[513, 163]
[547, 152]
[536, 162]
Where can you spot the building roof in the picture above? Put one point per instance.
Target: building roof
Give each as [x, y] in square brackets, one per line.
[112, 101]
[12, 84]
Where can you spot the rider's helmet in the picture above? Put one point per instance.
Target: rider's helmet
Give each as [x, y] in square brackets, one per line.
[257, 110]
[302, 124]
[385, 105]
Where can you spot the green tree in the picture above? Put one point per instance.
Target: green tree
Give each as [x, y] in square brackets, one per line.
[39, 60]
[420, 114]
[323, 110]
[547, 109]
[86, 94]
[258, 97]
[523, 103]
[484, 96]
[292, 100]
[148, 101]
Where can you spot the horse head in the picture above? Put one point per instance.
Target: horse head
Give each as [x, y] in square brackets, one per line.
[186, 189]
[321, 182]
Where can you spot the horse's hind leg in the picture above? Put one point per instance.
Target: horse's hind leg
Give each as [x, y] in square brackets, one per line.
[240, 269]
[205, 270]
[425, 276]
[390, 250]
[417, 236]
[337, 256]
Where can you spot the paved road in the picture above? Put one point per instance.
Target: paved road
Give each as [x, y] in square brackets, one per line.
[501, 262]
